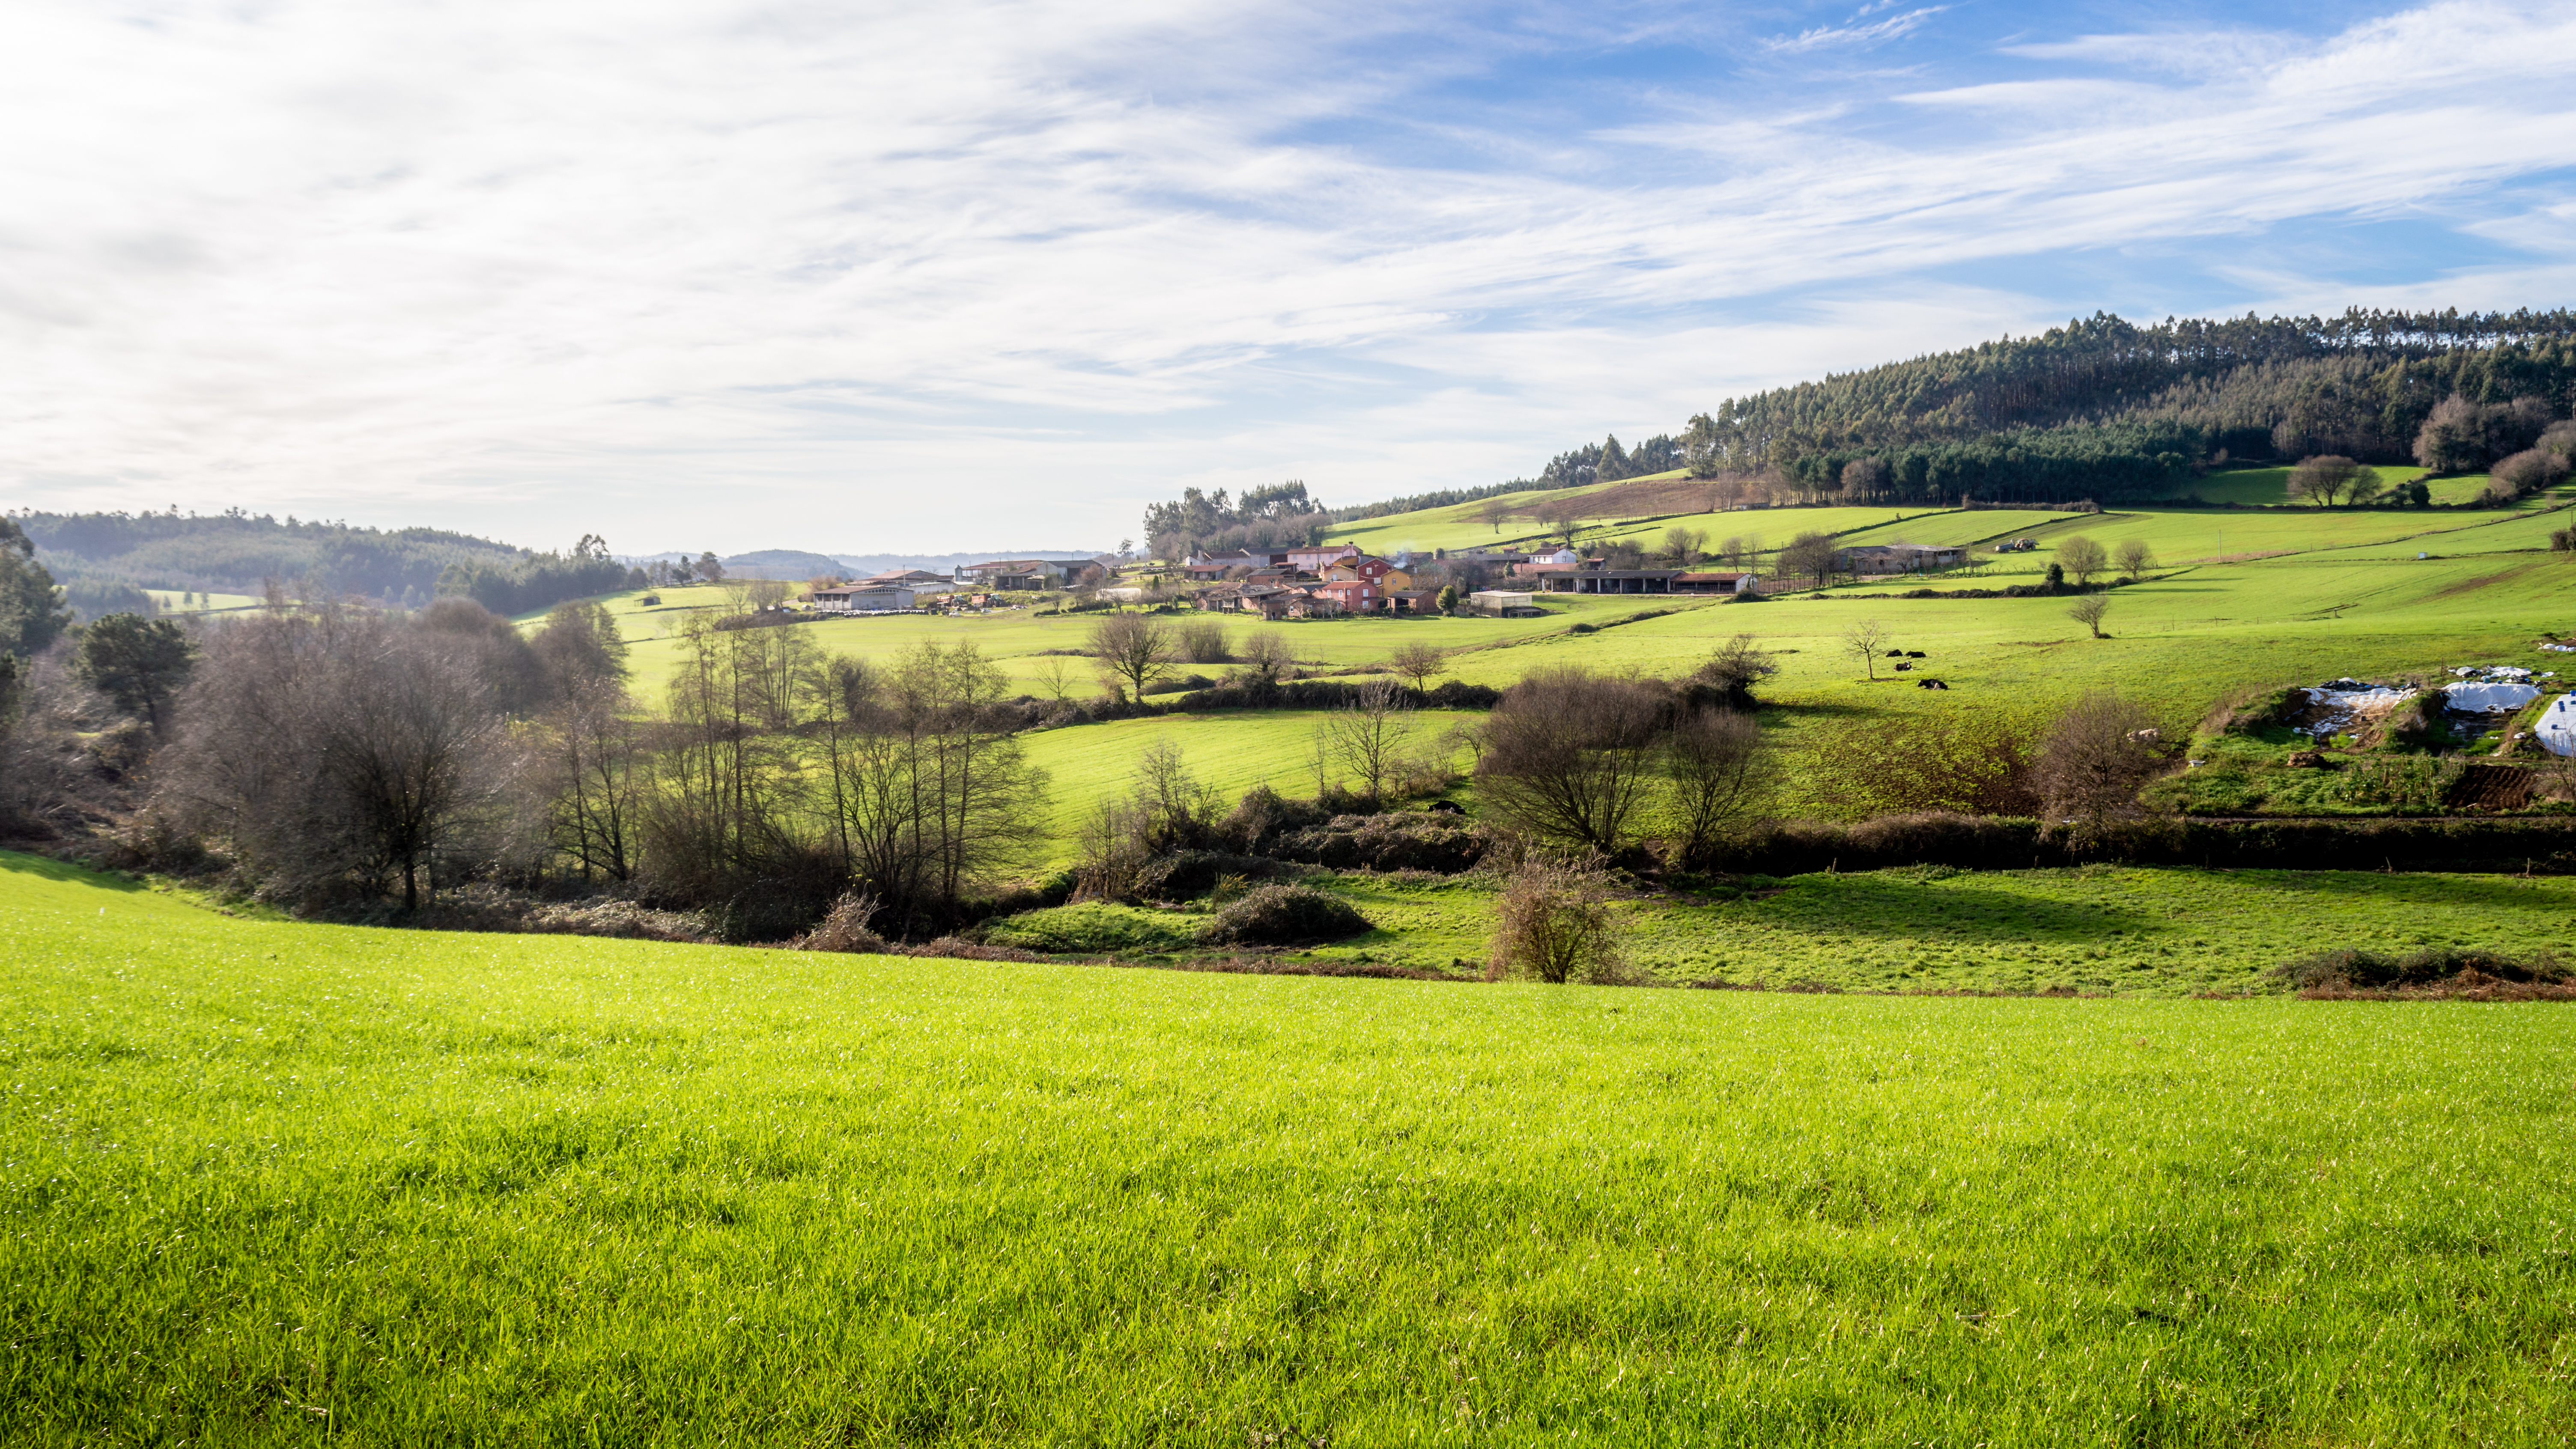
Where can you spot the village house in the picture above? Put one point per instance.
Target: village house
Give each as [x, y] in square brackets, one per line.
[1355, 596]
[1413, 601]
[1368, 568]
[1315, 559]
[919, 581]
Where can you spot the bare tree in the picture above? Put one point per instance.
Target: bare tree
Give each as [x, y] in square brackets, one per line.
[1132, 651]
[340, 751]
[1420, 663]
[2327, 479]
[1863, 641]
[2096, 757]
[1717, 775]
[2083, 557]
[2134, 557]
[1368, 737]
[592, 779]
[1571, 756]
[1266, 652]
[1560, 516]
[1493, 512]
[929, 792]
[1055, 679]
[1810, 554]
[1205, 643]
[2088, 611]
[1681, 545]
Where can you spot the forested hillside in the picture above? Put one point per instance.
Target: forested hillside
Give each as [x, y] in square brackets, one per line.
[2101, 408]
[235, 551]
[2107, 409]
[105, 560]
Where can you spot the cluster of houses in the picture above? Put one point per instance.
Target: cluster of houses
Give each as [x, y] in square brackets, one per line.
[897, 589]
[1332, 579]
[1325, 580]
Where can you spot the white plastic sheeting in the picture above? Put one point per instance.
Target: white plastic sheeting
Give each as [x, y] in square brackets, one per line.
[2557, 728]
[2489, 698]
[2346, 700]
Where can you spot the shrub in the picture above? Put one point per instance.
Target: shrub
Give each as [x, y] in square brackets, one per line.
[2432, 966]
[1090, 928]
[1403, 840]
[1194, 873]
[1554, 924]
[1284, 915]
[845, 927]
[1205, 644]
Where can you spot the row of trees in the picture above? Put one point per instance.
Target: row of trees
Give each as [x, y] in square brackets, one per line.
[537, 581]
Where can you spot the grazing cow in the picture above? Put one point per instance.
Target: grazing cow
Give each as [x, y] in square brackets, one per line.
[1902, 667]
[1929, 684]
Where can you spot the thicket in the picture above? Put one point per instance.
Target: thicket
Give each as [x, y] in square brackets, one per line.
[537, 580]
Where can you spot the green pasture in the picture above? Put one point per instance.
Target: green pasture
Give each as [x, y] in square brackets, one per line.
[283, 1183]
[168, 601]
[2097, 930]
[1230, 752]
[2272, 485]
[1460, 525]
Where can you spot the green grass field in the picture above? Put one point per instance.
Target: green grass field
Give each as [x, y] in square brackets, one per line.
[2272, 485]
[277, 1182]
[169, 601]
[2099, 930]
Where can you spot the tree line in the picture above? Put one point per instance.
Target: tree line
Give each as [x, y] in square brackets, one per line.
[235, 551]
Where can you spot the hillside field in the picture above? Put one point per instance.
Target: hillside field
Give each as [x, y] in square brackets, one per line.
[275, 1182]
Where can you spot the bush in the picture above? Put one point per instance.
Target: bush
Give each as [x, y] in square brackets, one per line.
[1554, 924]
[1195, 873]
[2436, 965]
[1090, 928]
[1404, 840]
[1283, 915]
[845, 927]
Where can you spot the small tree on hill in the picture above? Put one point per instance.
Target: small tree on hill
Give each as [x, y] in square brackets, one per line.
[2096, 757]
[1863, 641]
[2083, 558]
[1132, 651]
[137, 663]
[1265, 651]
[2135, 558]
[1420, 663]
[2088, 611]
[2327, 479]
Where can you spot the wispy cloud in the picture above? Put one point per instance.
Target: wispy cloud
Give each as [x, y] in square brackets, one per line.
[730, 274]
[1851, 32]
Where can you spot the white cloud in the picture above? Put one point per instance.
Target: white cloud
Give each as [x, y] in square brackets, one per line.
[935, 277]
[1824, 36]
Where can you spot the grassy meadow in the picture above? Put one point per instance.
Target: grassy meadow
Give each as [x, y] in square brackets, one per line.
[2097, 929]
[272, 1182]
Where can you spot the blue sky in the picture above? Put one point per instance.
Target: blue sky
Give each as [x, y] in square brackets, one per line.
[921, 278]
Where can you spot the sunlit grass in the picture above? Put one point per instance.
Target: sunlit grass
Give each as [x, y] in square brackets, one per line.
[275, 1182]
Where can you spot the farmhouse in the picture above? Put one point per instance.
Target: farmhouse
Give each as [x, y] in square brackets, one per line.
[1508, 603]
[1025, 575]
[1413, 601]
[1368, 568]
[1588, 579]
[861, 599]
[1354, 596]
[1715, 583]
[920, 581]
[1896, 558]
